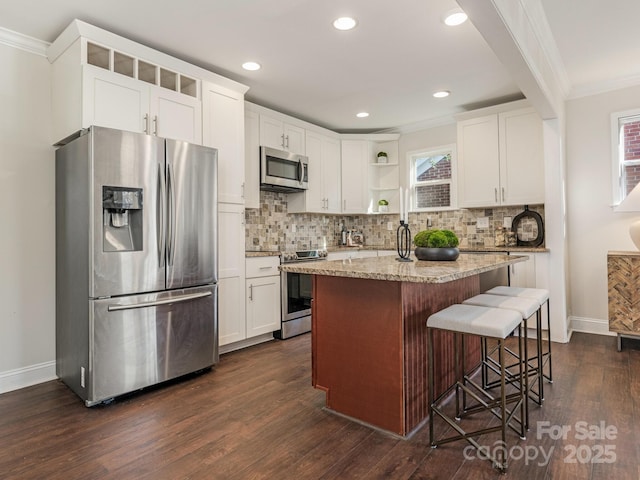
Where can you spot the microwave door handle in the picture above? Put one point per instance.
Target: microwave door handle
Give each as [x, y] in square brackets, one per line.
[300, 172]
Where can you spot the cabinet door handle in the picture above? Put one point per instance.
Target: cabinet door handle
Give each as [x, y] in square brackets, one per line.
[287, 137]
[282, 142]
[155, 125]
[242, 190]
[344, 205]
[146, 123]
[495, 192]
[503, 194]
[251, 292]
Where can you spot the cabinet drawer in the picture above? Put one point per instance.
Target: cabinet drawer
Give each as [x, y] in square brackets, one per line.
[262, 266]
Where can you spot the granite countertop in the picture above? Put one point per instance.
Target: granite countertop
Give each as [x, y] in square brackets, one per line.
[262, 253]
[340, 248]
[505, 249]
[388, 268]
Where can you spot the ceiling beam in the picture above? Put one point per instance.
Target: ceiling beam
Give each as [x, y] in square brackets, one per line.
[519, 35]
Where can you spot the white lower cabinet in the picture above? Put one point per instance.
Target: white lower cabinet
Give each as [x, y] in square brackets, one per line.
[262, 295]
[533, 273]
[231, 273]
[351, 254]
[523, 274]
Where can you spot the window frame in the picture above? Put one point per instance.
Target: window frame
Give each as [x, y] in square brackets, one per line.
[453, 181]
[617, 156]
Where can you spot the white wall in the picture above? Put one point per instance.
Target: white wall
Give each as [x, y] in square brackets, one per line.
[593, 227]
[27, 221]
[432, 137]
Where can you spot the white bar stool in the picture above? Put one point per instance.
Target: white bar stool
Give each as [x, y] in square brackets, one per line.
[543, 358]
[495, 323]
[525, 307]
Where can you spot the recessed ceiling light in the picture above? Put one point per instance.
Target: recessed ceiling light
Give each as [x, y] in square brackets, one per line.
[455, 17]
[345, 23]
[442, 93]
[362, 114]
[251, 66]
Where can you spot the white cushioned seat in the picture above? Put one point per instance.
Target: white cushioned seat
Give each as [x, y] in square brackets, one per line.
[476, 320]
[541, 295]
[525, 306]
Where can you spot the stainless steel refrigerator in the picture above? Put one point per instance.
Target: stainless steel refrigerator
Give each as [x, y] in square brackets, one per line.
[136, 261]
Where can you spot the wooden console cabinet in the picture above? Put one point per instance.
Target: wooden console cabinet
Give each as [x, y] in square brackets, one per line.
[623, 280]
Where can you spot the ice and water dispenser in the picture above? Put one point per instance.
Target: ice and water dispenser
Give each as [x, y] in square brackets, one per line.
[122, 219]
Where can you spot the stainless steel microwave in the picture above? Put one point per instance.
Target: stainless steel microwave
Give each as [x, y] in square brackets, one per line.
[282, 171]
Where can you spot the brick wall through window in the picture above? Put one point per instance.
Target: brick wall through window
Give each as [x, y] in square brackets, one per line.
[631, 145]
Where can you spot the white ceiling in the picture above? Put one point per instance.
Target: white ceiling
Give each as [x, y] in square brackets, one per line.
[389, 65]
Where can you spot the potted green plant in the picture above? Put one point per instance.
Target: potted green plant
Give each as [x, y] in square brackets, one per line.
[382, 157]
[383, 205]
[436, 245]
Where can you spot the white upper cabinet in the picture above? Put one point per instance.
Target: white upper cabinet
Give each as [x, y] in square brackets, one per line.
[323, 194]
[355, 171]
[500, 159]
[116, 97]
[521, 157]
[117, 102]
[99, 78]
[174, 115]
[223, 128]
[251, 159]
[276, 133]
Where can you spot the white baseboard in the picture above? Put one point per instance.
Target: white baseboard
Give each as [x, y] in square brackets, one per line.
[249, 342]
[589, 325]
[27, 376]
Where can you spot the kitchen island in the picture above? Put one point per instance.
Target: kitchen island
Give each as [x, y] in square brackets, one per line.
[369, 335]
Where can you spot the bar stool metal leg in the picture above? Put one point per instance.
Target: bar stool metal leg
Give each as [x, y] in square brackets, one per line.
[462, 320]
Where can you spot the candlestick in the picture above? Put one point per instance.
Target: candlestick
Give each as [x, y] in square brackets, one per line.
[406, 205]
[403, 242]
[401, 206]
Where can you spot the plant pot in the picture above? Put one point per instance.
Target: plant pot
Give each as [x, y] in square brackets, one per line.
[383, 208]
[382, 159]
[443, 254]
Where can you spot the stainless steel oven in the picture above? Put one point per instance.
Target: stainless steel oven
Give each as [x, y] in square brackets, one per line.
[297, 293]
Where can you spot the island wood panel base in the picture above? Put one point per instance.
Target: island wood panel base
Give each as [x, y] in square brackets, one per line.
[369, 346]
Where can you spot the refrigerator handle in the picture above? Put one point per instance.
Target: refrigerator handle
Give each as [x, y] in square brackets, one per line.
[160, 229]
[182, 298]
[171, 230]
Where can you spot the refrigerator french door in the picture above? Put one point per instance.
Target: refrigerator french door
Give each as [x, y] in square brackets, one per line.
[136, 239]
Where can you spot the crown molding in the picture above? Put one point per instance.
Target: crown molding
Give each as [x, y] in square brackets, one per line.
[595, 88]
[421, 125]
[23, 42]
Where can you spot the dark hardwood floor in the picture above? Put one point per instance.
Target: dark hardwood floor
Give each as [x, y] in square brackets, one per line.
[255, 415]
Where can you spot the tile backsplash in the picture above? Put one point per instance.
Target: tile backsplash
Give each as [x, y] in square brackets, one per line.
[271, 227]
